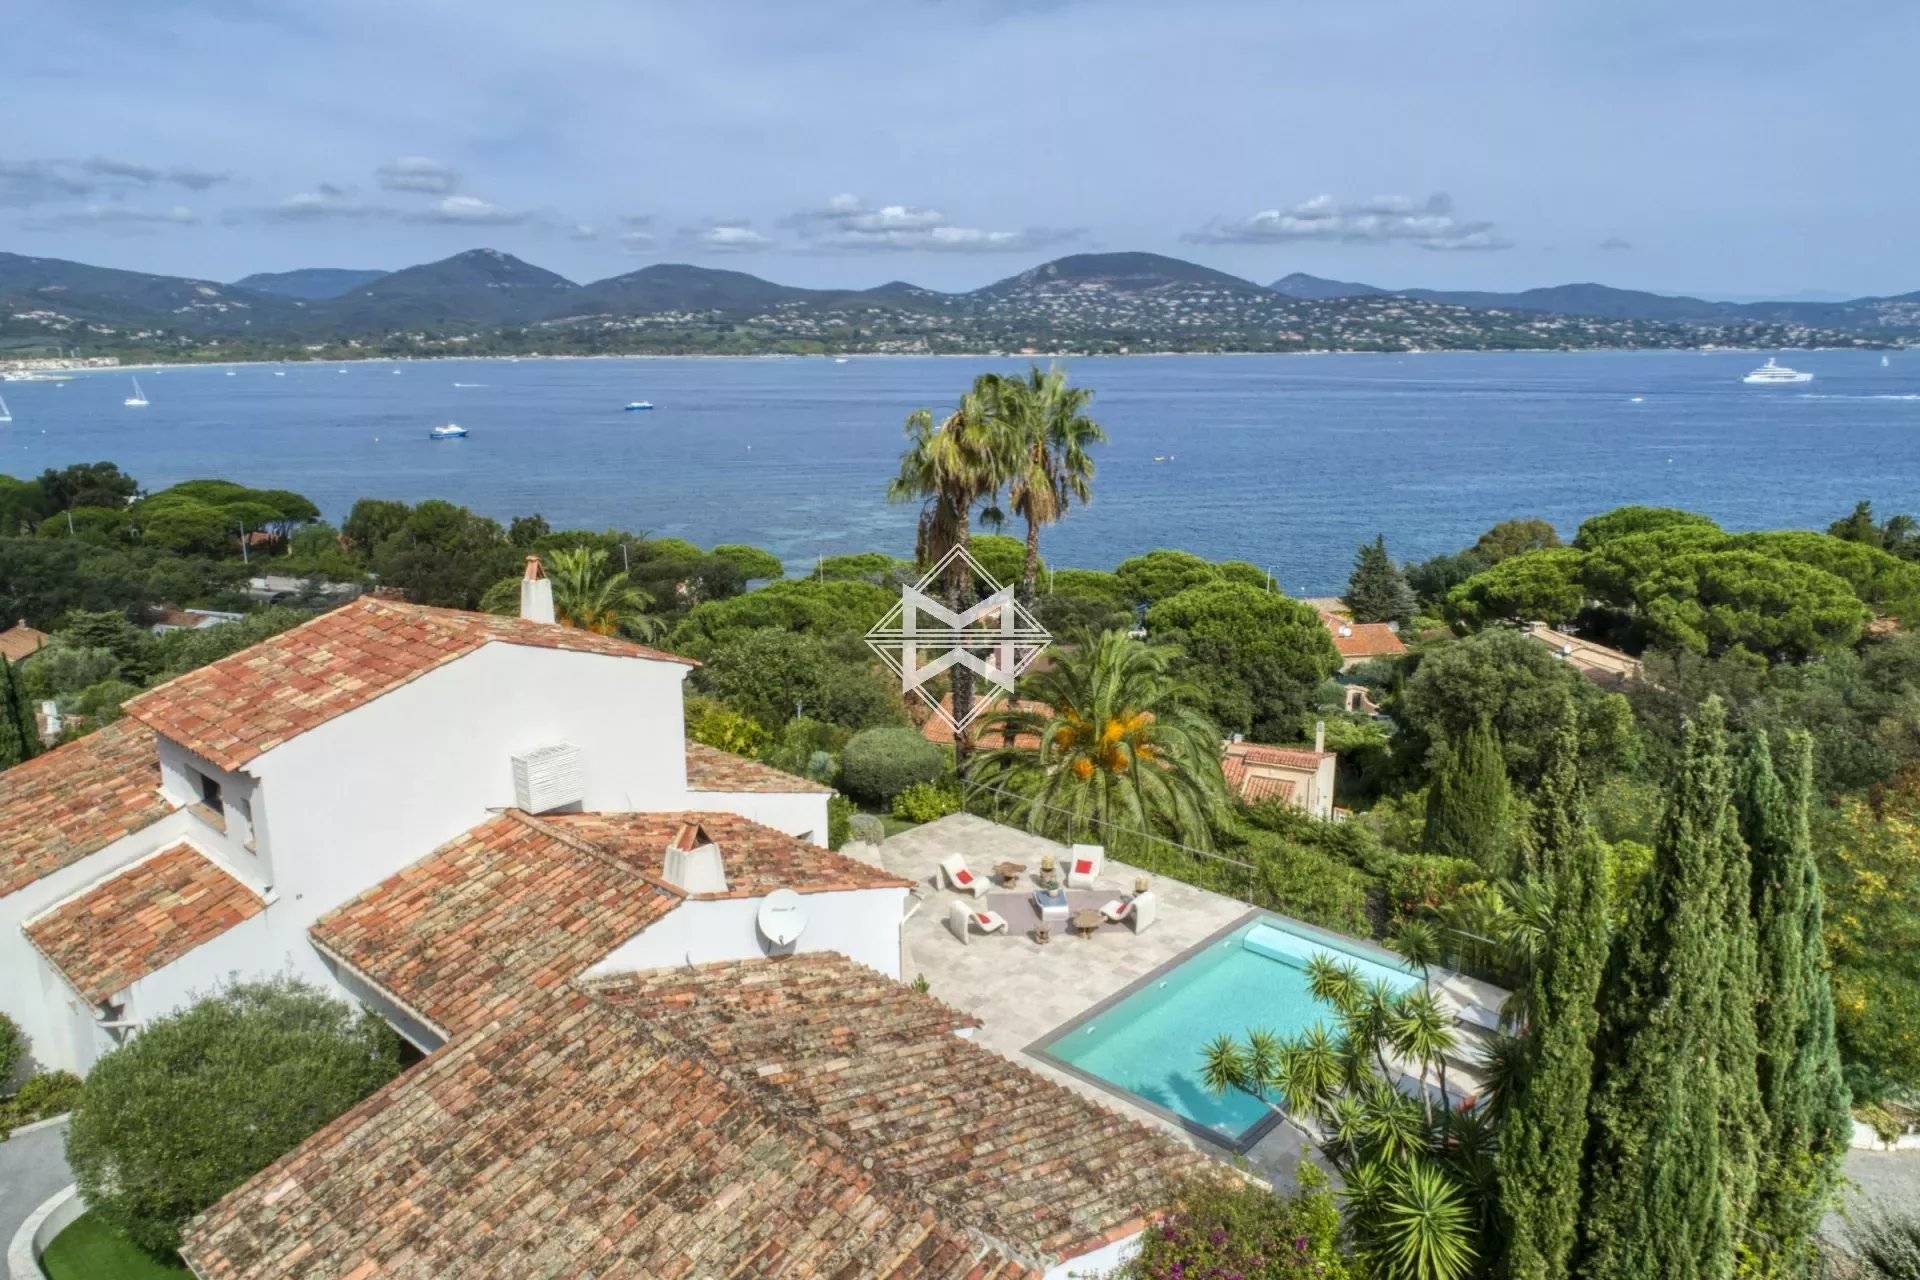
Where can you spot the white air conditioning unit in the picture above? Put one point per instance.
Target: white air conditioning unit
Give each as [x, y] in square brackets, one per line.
[549, 778]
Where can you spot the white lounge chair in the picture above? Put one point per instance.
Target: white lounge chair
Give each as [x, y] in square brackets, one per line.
[963, 920]
[963, 880]
[1138, 912]
[1084, 864]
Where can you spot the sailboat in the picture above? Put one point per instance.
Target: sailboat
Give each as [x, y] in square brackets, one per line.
[138, 400]
[1884, 362]
[6, 415]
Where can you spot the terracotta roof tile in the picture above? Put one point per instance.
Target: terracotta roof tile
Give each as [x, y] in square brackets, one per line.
[507, 909]
[61, 806]
[141, 920]
[1248, 766]
[233, 710]
[1362, 639]
[758, 859]
[570, 1139]
[875, 1067]
[711, 769]
[20, 641]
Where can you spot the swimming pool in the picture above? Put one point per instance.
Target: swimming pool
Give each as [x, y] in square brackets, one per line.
[1147, 1041]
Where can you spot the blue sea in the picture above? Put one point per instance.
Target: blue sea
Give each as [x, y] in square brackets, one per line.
[1286, 461]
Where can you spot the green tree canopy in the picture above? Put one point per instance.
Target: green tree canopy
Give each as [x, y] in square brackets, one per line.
[1257, 654]
[1377, 591]
[1088, 584]
[440, 553]
[1713, 601]
[1159, 574]
[1470, 804]
[1623, 521]
[865, 566]
[1535, 586]
[1615, 572]
[754, 563]
[1884, 583]
[22, 506]
[831, 608]
[86, 484]
[1003, 558]
[774, 675]
[203, 1098]
[1512, 538]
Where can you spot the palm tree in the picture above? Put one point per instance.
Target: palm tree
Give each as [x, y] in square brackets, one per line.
[1052, 468]
[951, 467]
[1122, 747]
[587, 595]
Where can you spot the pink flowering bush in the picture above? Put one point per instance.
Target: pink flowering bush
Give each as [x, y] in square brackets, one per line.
[1223, 1228]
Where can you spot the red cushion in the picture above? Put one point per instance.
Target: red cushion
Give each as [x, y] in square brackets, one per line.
[1121, 914]
[963, 876]
[984, 919]
[1084, 867]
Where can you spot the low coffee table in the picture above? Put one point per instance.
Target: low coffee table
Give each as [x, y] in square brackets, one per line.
[1051, 904]
[1009, 872]
[1086, 920]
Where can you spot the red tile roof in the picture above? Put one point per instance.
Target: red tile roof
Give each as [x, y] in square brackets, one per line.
[758, 859]
[20, 641]
[520, 903]
[233, 710]
[1256, 788]
[711, 769]
[1248, 766]
[500, 913]
[573, 1139]
[1362, 639]
[141, 920]
[61, 806]
[937, 730]
[875, 1067]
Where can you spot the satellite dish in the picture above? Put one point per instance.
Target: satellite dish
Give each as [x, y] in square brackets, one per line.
[782, 917]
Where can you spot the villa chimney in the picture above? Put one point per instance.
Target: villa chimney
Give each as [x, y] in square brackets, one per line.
[1319, 735]
[693, 861]
[536, 593]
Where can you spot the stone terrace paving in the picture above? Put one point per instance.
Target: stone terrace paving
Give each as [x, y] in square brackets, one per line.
[1021, 990]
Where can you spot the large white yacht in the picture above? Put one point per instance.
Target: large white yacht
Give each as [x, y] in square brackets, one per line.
[1772, 372]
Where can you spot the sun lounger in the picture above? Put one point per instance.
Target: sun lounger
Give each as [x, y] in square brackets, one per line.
[1138, 912]
[964, 921]
[1084, 863]
[963, 880]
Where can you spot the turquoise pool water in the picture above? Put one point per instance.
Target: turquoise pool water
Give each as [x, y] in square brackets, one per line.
[1149, 1043]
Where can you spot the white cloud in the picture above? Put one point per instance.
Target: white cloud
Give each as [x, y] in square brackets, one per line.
[733, 236]
[1616, 244]
[636, 241]
[325, 201]
[848, 224]
[417, 173]
[1429, 224]
[146, 175]
[583, 231]
[178, 215]
[468, 211]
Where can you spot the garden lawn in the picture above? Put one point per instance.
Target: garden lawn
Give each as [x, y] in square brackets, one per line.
[92, 1250]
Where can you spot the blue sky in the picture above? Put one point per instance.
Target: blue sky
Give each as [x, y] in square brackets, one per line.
[1759, 148]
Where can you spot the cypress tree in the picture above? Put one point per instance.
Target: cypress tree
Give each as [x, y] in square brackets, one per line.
[1736, 1049]
[1469, 805]
[1377, 591]
[1543, 1138]
[1802, 1094]
[19, 738]
[1656, 1199]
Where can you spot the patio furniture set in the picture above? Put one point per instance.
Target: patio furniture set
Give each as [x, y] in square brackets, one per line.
[1049, 897]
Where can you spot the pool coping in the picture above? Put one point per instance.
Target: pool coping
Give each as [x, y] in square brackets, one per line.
[1040, 1048]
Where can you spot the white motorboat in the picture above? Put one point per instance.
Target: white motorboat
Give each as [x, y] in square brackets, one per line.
[637, 406]
[138, 400]
[6, 415]
[447, 431]
[1773, 373]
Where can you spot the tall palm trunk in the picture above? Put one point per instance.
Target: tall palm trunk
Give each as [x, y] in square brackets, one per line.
[960, 592]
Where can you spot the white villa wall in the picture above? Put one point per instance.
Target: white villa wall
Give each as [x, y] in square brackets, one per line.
[861, 924]
[227, 848]
[1098, 1263]
[798, 813]
[374, 790]
[51, 1016]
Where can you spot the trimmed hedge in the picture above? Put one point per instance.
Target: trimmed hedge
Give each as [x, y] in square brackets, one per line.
[879, 764]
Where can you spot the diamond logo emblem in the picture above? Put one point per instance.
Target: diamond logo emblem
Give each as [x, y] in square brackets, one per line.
[996, 639]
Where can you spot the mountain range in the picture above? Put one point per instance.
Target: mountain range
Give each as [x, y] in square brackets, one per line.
[484, 300]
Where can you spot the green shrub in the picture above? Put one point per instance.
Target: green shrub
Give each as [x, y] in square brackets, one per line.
[840, 815]
[13, 1050]
[49, 1094]
[925, 801]
[1311, 886]
[879, 764]
[1427, 881]
[867, 829]
[718, 725]
[1226, 1226]
[202, 1099]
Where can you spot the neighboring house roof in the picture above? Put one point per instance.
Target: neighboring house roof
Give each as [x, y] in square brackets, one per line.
[141, 920]
[58, 807]
[1356, 640]
[1598, 663]
[20, 641]
[804, 1116]
[241, 706]
[520, 903]
[758, 859]
[711, 769]
[1250, 769]
[937, 729]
